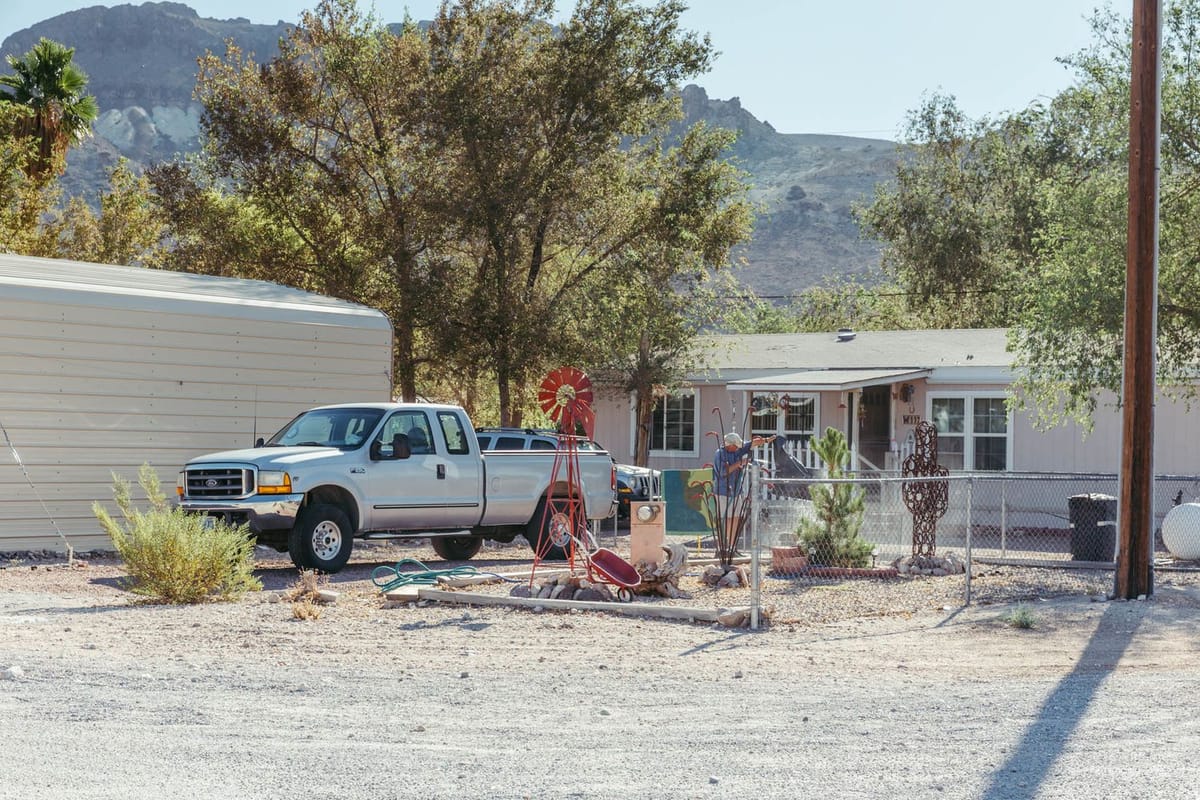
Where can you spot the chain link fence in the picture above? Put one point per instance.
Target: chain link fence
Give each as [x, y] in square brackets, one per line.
[995, 537]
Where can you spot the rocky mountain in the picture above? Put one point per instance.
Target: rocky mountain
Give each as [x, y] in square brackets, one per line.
[141, 63]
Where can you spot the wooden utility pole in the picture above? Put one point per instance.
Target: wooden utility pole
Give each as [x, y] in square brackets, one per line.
[1135, 575]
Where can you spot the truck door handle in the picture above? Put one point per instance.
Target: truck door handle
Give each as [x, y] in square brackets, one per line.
[441, 472]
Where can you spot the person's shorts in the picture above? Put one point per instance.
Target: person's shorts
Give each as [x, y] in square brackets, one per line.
[729, 506]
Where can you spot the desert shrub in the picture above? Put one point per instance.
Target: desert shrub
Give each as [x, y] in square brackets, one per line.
[1021, 617]
[176, 557]
[830, 535]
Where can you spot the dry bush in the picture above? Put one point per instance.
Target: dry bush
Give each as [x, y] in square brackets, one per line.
[303, 594]
[173, 556]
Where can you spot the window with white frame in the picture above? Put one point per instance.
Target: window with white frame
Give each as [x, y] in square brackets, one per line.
[673, 423]
[973, 431]
[792, 417]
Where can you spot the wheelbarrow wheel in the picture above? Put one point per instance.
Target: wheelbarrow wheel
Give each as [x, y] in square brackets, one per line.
[625, 594]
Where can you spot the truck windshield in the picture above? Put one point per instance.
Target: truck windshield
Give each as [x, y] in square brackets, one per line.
[346, 428]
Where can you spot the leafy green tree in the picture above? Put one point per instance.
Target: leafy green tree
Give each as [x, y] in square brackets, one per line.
[129, 228]
[1068, 338]
[477, 184]
[24, 201]
[561, 181]
[1021, 221]
[318, 173]
[662, 290]
[47, 81]
[960, 222]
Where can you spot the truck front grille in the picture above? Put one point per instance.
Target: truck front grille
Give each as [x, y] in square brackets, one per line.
[219, 483]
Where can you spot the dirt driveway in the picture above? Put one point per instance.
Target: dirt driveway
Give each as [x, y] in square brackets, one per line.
[101, 697]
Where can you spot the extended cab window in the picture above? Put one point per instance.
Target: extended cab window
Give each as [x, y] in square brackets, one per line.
[454, 433]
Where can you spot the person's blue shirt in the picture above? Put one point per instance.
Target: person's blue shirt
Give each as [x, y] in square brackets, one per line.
[728, 482]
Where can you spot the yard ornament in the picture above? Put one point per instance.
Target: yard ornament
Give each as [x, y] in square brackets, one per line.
[926, 499]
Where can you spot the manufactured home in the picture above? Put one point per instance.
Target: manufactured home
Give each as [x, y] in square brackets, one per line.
[876, 387]
[104, 368]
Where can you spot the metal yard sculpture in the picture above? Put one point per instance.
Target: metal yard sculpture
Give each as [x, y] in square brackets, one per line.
[927, 500]
[566, 396]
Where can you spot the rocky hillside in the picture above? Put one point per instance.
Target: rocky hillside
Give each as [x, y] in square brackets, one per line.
[141, 62]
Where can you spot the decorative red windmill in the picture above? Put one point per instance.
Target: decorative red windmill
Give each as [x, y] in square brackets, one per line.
[566, 397]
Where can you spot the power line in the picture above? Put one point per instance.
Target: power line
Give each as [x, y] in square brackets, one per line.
[942, 293]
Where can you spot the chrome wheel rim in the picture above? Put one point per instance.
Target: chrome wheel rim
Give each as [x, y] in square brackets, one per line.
[326, 540]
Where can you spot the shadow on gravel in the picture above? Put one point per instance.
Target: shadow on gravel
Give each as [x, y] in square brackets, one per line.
[1044, 741]
[463, 623]
[727, 642]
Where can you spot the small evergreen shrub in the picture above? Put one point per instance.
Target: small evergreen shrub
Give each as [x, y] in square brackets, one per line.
[830, 537]
[176, 557]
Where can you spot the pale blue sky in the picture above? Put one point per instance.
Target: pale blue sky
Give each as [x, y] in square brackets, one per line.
[813, 66]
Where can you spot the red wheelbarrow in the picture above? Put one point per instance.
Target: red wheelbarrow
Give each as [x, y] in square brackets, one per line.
[605, 566]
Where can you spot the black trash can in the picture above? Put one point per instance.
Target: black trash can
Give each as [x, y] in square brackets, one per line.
[1093, 527]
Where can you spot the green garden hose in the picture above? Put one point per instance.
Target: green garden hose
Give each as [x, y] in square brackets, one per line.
[389, 578]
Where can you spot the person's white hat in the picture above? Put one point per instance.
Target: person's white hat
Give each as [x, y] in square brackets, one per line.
[733, 439]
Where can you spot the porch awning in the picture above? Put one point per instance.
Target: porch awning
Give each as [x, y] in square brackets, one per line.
[826, 380]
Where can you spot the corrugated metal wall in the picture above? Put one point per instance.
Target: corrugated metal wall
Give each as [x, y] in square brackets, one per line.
[104, 368]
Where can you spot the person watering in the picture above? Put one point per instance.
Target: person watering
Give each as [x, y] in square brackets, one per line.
[728, 464]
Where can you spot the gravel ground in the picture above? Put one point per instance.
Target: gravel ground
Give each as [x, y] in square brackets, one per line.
[858, 689]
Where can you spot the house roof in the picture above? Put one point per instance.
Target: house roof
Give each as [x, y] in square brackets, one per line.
[827, 360]
[818, 380]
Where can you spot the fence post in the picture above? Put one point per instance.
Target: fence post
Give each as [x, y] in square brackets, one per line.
[969, 566]
[1004, 518]
[755, 567]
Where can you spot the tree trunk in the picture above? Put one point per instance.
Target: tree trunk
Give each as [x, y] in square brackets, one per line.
[504, 393]
[404, 366]
[643, 417]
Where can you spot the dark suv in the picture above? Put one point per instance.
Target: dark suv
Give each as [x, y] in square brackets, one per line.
[524, 439]
[633, 483]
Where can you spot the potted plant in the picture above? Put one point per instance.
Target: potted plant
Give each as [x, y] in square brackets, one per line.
[830, 537]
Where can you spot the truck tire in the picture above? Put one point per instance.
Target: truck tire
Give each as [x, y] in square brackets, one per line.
[321, 539]
[456, 548]
[538, 535]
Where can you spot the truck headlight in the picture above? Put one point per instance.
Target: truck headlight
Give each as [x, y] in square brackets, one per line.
[180, 482]
[274, 483]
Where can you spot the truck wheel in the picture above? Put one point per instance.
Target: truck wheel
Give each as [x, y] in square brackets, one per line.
[456, 548]
[321, 539]
[545, 535]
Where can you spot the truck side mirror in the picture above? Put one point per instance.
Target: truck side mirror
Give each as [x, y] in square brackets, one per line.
[259, 442]
[398, 448]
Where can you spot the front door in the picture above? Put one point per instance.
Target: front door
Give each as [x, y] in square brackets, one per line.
[874, 430]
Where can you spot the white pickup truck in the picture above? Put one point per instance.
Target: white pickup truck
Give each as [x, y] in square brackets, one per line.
[377, 470]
